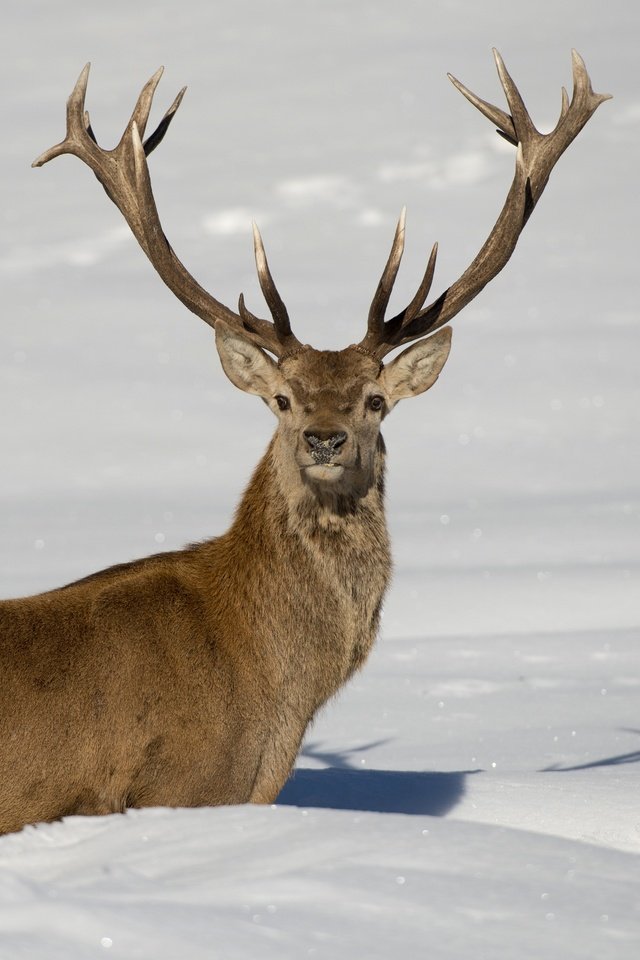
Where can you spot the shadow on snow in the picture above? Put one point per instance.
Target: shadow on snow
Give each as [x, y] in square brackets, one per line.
[607, 762]
[618, 760]
[342, 786]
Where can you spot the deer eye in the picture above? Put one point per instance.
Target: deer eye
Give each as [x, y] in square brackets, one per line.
[283, 402]
[376, 402]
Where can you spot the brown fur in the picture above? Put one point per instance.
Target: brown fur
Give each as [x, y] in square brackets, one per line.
[189, 677]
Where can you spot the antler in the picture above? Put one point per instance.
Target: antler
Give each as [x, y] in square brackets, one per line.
[124, 174]
[537, 153]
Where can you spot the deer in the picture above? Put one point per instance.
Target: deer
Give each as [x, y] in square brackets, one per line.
[189, 677]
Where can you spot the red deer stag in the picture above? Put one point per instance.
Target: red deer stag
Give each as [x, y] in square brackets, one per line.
[190, 677]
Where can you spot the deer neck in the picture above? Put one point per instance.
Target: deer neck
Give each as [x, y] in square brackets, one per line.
[311, 569]
[339, 532]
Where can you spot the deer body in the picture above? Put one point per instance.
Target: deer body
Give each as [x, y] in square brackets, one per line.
[190, 677]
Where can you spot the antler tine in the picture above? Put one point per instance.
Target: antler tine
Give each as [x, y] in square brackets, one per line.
[501, 119]
[249, 319]
[157, 136]
[584, 101]
[536, 156]
[375, 323]
[275, 303]
[142, 109]
[522, 123]
[404, 318]
[263, 330]
[76, 129]
[88, 127]
[75, 103]
[124, 174]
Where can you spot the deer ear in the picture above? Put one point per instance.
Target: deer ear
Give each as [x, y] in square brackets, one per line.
[418, 368]
[248, 367]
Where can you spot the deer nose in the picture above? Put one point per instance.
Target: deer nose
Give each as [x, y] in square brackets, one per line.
[329, 440]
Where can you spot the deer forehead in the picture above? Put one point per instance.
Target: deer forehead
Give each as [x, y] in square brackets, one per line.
[321, 376]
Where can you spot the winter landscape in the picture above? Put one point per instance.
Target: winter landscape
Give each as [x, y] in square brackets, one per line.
[473, 792]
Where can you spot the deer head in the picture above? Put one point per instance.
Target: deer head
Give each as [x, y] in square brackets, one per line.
[330, 403]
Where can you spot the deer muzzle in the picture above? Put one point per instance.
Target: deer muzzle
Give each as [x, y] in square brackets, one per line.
[324, 448]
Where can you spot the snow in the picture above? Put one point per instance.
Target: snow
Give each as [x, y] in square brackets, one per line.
[473, 792]
[290, 882]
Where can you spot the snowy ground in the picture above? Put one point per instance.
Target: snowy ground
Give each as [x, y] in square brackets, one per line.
[473, 793]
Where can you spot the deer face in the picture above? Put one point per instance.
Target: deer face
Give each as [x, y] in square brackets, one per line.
[330, 404]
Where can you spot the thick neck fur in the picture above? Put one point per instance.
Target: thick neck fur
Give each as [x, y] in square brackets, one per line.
[312, 565]
[282, 506]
